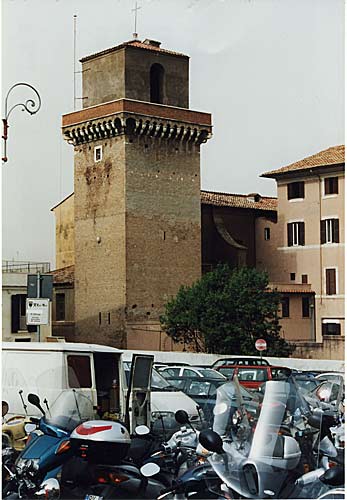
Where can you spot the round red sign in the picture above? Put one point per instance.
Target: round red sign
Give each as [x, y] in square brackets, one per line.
[260, 345]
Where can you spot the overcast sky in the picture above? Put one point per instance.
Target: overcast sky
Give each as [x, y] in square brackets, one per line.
[270, 72]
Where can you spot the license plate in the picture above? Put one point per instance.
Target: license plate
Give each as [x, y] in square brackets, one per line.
[93, 497]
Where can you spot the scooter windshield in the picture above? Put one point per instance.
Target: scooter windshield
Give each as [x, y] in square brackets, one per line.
[257, 456]
[70, 409]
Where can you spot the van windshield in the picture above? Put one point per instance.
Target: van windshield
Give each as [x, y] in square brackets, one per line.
[70, 409]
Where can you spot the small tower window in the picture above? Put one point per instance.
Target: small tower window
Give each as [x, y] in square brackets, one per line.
[157, 83]
[97, 153]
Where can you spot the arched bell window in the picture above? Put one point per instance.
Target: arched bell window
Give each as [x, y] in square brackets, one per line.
[157, 83]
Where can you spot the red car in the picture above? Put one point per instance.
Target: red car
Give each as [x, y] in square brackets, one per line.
[252, 377]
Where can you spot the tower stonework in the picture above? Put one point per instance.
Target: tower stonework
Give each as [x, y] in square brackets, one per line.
[137, 191]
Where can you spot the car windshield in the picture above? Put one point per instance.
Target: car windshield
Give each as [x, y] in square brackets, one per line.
[159, 383]
[70, 409]
[208, 372]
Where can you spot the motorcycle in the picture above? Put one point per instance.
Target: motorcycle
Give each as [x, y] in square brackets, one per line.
[264, 460]
[48, 445]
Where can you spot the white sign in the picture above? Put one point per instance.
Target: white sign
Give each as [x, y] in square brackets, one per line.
[37, 311]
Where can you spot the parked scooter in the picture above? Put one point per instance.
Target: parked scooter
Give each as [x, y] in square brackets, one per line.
[48, 446]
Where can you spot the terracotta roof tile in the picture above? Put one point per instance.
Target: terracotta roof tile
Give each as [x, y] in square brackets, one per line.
[331, 156]
[132, 43]
[64, 275]
[239, 200]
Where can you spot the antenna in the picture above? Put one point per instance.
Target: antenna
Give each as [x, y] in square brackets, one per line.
[136, 8]
[74, 60]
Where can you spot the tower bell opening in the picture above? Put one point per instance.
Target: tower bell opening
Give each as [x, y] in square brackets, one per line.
[157, 83]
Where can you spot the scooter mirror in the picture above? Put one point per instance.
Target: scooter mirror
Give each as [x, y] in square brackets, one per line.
[142, 430]
[211, 441]
[150, 469]
[181, 416]
[4, 408]
[35, 400]
[29, 427]
[334, 476]
[49, 489]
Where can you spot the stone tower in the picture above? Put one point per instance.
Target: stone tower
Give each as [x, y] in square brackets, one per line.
[137, 191]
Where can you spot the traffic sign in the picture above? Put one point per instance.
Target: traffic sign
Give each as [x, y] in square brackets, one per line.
[37, 311]
[261, 345]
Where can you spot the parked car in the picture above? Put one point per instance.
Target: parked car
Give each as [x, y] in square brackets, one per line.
[252, 377]
[305, 383]
[165, 398]
[244, 361]
[328, 395]
[330, 376]
[190, 371]
[203, 390]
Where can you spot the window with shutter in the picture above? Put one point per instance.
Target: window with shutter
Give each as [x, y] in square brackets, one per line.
[295, 190]
[305, 307]
[330, 276]
[329, 231]
[296, 234]
[301, 233]
[331, 185]
[285, 307]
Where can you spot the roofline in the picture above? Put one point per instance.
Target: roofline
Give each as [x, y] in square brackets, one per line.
[237, 194]
[126, 45]
[301, 171]
[62, 201]
[58, 346]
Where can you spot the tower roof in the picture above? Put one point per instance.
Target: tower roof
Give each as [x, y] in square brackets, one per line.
[147, 44]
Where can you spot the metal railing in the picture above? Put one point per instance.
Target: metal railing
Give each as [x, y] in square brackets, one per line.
[11, 266]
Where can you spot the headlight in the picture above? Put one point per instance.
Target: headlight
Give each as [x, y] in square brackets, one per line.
[27, 465]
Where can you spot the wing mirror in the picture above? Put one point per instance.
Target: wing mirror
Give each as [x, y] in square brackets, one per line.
[35, 400]
[4, 408]
[49, 489]
[334, 476]
[142, 430]
[181, 416]
[150, 469]
[211, 441]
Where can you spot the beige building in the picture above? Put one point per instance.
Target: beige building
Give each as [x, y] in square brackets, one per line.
[14, 295]
[306, 248]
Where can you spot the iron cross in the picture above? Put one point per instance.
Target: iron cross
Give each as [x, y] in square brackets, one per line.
[135, 13]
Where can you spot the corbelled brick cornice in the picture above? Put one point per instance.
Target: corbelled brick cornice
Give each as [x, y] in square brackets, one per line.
[125, 116]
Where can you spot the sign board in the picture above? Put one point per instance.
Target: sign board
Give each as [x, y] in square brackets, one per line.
[261, 345]
[37, 311]
[46, 286]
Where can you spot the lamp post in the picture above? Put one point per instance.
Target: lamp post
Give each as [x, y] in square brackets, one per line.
[31, 106]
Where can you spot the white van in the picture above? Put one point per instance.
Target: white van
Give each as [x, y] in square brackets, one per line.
[47, 369]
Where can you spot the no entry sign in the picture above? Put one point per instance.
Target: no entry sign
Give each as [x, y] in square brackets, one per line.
[261, 345]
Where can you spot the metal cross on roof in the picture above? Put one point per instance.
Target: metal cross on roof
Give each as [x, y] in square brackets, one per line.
[135, 9]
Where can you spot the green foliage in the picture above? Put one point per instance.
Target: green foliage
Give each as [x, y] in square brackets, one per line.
[225, 312]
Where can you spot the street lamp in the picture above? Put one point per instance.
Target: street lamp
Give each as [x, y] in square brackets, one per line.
[31, 106]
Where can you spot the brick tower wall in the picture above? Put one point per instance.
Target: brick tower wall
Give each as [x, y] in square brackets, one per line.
[100, 243]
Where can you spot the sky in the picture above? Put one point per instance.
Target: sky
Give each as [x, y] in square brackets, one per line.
[271, 72]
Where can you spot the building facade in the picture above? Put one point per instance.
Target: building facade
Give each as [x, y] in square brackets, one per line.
[14, 295]
[136, 190]
[308, 244]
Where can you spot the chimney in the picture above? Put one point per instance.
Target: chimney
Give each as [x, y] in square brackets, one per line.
[154, 43]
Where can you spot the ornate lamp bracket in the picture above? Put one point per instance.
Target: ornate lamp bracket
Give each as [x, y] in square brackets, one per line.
[31, 106]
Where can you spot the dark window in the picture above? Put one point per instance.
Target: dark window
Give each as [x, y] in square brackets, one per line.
[285, 307]
[331, 328]
[23, 339]
[266, 233]
[296, 190]
[329, 231]
[305, 307]
[60, 307]
[292, 276]
[330, 276]
[296, 234]
[331, 185]
[304, 279]
[18, 314]
[79, 372]
[157, 83]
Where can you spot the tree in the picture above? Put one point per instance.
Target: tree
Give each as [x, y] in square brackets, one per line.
[225, 312]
